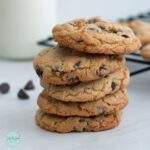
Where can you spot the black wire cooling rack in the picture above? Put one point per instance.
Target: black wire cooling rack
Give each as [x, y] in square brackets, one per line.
[132, 58]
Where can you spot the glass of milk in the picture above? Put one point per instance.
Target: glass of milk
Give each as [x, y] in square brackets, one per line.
[22, 24]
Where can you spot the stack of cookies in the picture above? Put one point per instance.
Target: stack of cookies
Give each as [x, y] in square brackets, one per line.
[84, 76]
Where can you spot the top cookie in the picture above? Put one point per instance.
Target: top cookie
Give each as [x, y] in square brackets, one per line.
[95, 35]
[141, 29]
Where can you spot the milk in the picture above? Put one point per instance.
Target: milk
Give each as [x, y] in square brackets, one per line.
[22, 24]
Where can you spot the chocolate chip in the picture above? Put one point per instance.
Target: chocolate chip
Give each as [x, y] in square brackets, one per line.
[74, 80]
[4, 88]
[22, 94]
[81, 120]
[125, 36]
[57, 71]
[113, 86]
[103, 71]
[103, 67]
[92, 20]
[106, 76]
[29, 85]
[77, 65]
[39, 72]
[113, 31]
[79, 41]
[72, 24]
[92, 29]
[102, 28]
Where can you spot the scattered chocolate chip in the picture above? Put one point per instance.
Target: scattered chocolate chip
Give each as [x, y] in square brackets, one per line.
[4, 88]
[22, 94]
[57, 71]
[77, 65]
[113, 86]
[39, 72]
[29, 85]
[125, 36]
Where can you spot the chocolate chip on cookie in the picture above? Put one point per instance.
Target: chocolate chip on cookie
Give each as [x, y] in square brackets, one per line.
[74, 80]
[103, 70]
[57, 71]
[77, 65]
[125, 36]
[113, 85]
[39, 72]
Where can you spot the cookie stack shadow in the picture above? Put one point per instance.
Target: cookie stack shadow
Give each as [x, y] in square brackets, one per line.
[84, 77]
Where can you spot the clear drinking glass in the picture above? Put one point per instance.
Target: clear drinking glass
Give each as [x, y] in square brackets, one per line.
[22, 24]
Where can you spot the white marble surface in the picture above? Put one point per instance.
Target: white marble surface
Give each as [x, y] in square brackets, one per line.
[16, 115]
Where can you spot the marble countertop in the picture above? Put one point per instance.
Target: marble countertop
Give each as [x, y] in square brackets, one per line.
[17, 116]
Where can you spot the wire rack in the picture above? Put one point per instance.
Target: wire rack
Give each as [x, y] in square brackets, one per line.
[132, 58]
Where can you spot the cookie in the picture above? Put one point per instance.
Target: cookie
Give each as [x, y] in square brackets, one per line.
[145, 52]
[95, 35]
[141, 29]
[63, 66]
[68, 124]
[89, 91]
[106, 105]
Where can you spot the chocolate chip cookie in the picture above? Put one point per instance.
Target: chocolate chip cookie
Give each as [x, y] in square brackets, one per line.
[89, 91]
[106, 105]
[95, 35]
[68, 124]
[145, 52]
[61, 65]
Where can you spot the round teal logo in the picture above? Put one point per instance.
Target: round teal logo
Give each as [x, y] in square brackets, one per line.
[12, 138]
